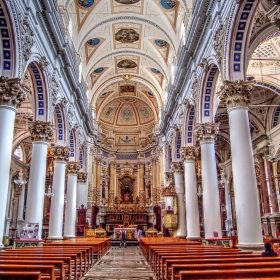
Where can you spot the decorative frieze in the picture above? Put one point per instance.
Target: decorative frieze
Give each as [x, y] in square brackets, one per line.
[43, 63]
[219, 43]
[236, 94]
[206, 132]
[60, 153]
[12, 92]
[41, 131]
[82, 177]
[188, 153]
[73, 167]
[27, 39]
[177, 167]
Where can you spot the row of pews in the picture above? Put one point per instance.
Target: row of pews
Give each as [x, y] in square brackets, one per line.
[172, 258]
[62, 260]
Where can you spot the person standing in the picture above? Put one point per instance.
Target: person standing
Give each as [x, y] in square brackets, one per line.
[139, 234]
[123, 238]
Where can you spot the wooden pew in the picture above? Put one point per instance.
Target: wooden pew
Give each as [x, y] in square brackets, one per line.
[70, 266]
[173, 266]
[260, 273]
[58, 263]
[47, 271]
[22, 275]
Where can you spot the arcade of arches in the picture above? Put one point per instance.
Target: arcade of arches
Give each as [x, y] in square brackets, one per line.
[154, 114]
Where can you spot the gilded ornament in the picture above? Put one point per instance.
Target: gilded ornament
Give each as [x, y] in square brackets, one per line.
[188, 153]
[177, 167]
[82, 178]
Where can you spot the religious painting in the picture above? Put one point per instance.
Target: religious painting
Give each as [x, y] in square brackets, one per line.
[127, 63]
[109, 111]
[160, 43]
[85, 3]
[127, 88]
[127, 36]
[93, 42]
[127, 2]
[168, 4]
[126, 188]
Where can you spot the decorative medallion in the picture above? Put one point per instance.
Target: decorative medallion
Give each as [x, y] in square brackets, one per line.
[85, 3]
[160, 43]
[99, 70]
[127, 63]
[155, 71]
[144, 111]
[93, 42]
[127, 36]
[127, 2]
[127, 88]
[126, 114]
[169, 4]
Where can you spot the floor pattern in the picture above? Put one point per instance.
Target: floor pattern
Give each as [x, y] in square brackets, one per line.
[121, 264]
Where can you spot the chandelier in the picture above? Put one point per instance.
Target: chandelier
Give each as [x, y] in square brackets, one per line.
[20, 181]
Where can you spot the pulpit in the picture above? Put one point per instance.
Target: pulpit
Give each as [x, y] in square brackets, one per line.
[81, 220]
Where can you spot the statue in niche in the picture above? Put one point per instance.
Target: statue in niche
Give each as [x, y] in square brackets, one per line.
[149, 190]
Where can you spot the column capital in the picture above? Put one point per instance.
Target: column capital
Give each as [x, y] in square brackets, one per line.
[177, 167]
[112, 164]
[188, 153]
[82, 177]
[141, 163]
[41, 131]
[236, 94]
[12, 92]
[206, 132]
[60, 153]
[73, 167]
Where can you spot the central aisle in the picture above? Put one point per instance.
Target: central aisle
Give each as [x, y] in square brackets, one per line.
[122, 264]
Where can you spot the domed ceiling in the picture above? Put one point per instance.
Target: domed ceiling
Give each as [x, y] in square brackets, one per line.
[122, 42]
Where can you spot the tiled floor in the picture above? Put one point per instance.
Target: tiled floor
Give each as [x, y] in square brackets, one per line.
[121, 264]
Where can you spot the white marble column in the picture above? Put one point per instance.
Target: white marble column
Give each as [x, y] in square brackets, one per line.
[20, 219]
[61, 155]
[236, 95]
[82, 190]
[11, 95]
[41, 133]
[178, 171]
[206, 133]
[71, 199]
[192, 214]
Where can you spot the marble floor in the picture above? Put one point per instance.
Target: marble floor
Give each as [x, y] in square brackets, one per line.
[121, 264]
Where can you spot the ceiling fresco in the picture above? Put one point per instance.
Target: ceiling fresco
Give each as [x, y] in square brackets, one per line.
[126, 48]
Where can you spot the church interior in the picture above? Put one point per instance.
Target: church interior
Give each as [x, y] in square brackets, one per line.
[158, 116]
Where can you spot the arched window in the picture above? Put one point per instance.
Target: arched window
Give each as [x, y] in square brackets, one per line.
[18, 153]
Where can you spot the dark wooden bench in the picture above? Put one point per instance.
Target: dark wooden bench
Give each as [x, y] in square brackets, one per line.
[21, 275]
[47, 271]
[270, 273]
[173, 266]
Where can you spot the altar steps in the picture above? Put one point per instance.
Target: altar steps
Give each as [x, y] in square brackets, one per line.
[115, 242]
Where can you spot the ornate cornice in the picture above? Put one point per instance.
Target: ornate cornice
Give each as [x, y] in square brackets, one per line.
[236, 94]
[73, 167]
[274, 14]
[82, 177]
[12, 92]
[188, 153]
[41, 131]
[60, 153]
[206, 132]
[177, 167]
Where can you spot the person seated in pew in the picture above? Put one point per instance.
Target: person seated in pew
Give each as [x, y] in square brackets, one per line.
[269, 252]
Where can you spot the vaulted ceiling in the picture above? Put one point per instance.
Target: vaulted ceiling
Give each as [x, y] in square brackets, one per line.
[126, 49]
